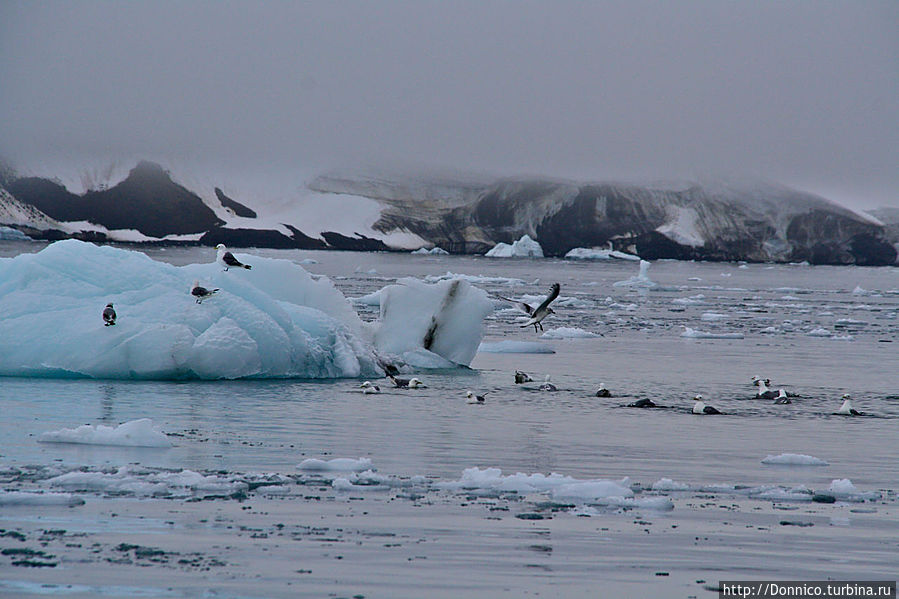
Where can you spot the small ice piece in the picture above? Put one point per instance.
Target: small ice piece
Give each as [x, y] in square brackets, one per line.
[793, 459]
[640, 280]
[479, 279]
[819, 332]
[523, 248]
[335, 465]
[843, 490]
[515, 347]
[13, 498]
[859, 290]
[435, 251]
[713, 316]
[599, 254]
[695, 300]
[696, 334]
[568, 333]
[308, 261]
[135, 433]
[666, 484]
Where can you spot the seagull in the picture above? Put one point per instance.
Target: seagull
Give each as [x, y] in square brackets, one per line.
[644, 403]
[547, 386]
[700, 408]
[227, 259]
[201, 293]
[603, 392]
[541, 312]
[368, 388]
[522, 377]
[472, 398]
[782, 397]
[846, 409]
[412, 383]
[764, 392]
[109, 315]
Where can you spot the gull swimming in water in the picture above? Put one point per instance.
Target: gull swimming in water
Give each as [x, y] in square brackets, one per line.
[227, 259]
[412, 383]
[368, 388]
[846, 409]
[109, 315]
[540, 312]
[603, 392]
[548, 386]
[764, 392]
[472, 398]
[643, 403]
[522, 377]
[201, 293]
[700, 408]
[782, 397]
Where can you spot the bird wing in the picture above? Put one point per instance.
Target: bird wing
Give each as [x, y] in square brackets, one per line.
[229, 259]
[553, 294]
[524, 307]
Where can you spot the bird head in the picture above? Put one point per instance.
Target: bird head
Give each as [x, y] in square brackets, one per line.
[414, 382]
[220, 246]
[365, 385]
[469, 394]
[109, 305]
[846, 396]
[697, 397]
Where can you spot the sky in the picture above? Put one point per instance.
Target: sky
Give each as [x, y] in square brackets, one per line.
[804, 93]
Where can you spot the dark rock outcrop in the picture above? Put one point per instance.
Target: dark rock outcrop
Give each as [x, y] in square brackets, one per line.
[360, 243]
[235, 206]
[260, 238]
[147, 200]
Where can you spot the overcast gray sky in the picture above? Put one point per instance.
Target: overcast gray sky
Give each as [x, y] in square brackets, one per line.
[806, 93]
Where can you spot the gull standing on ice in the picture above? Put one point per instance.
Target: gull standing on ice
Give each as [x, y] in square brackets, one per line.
[368, 388]
[846, 409]
[540, 312]
[109, 315]
[472, 398]
[201, 293]
[699, 407]
[227, 259]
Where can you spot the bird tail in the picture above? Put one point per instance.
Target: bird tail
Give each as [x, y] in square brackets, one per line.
[247, 266]
[216, 290]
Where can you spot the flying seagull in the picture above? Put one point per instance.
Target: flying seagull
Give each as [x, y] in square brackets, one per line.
[109, 315]
[227, 259]
[201, 293]
[540, 312]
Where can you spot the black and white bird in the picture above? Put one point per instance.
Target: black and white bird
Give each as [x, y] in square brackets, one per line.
[540, 312]
[201, 293]
[109, 315]
[699, 407]
[644, 403]
[846, 409]
[603, 392]
[522, 377]
[227, 259]
[782, 397]
[548, 386]
[412, 383]
[764, 392]
[368, 388]
[472, 398]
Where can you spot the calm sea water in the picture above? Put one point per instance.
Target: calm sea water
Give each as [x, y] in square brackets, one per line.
[819, 332]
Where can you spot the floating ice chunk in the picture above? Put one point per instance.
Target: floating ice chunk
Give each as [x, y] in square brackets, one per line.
[591, 490]
[308, 261]
[819, 332]
[860, 291]
[445, 318]
[695, 334]
[559, 486]
[435, 251]
[12, 498]
[10, 234]
[666, 484]
[523, 248]
[844, 490]
[640, 280]
[135, 433]
[598, 254]
[843, 338]
[771, 493]
[770, 330]
[148, 482]
[273, 321]
[694, 300]
[713, 316]
[568, 333]
[793, 459]
[372, 299]
[335, 465]
[515, 347]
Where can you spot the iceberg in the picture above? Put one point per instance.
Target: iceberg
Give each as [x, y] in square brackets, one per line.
[794, 459]
[274, 321]
[639, 280]
[523, 248]
[599, 254]
[136, 433]
[10, 234]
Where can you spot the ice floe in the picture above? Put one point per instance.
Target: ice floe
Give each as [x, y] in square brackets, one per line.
[599, 254]
[568, 333]
[14, 498]
[135, 433]
[793, 459]
[523, 248]
[697, 334]
[335, 465]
